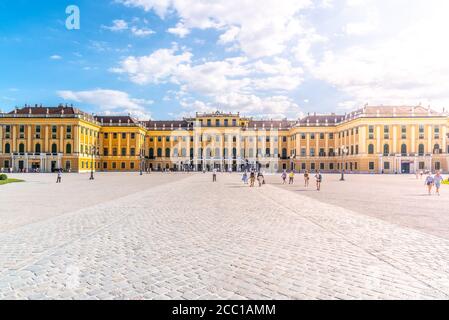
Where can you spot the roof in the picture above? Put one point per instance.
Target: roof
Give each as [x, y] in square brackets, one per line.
[396, 111]
[40, 110]
[330, 119]
[153, 124]
[116, 119]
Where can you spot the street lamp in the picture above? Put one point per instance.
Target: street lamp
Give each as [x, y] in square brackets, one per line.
[93, 150]
[141, 163]
[344, 151]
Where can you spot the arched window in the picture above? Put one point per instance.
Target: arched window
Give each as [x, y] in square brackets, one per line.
[386, 150]
[234, 153]
[151, 153]
[159, 152]
[21, 148]
[54, 148]
[404, 149]
[267, 152]
[371, 149]
[68, 148]
[421, 149]
[436, 149]
[284, 153]
[7, 148]
[37, 148]
[167, 152]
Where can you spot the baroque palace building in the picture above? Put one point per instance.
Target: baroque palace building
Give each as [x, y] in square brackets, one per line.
[373, 139]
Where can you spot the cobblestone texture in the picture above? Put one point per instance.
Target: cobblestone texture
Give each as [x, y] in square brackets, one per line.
[192, 239]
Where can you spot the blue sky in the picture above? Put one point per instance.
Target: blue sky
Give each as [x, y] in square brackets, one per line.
[169, 58]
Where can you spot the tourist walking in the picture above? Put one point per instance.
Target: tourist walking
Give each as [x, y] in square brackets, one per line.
[291, 177]
[306, 179]
[260, 179]
[214, 175]
[59, 178]
[429, 183]
[319, 179]
[284, 177]
[245, 177]
[252, 178]
[437, 181]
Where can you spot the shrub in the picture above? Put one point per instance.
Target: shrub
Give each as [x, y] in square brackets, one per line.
[3, 177]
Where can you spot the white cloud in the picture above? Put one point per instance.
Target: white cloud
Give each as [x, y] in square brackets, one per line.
[117, 25]
[141, 32]
[259, 29]
[110, 102]
[405, 63]
[180, 30]
[55, 57]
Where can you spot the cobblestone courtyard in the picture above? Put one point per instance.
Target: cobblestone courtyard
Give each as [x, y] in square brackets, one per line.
[179, 236]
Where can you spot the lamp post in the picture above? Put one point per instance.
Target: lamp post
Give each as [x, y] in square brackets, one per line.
[344, 151]
[93, 150]
[141, 163]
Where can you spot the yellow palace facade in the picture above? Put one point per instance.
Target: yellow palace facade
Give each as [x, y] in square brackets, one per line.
[372, 139]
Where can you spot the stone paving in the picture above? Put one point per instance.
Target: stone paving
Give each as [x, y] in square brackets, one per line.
[188, 238]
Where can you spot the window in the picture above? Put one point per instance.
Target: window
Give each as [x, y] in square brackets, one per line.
[151, 153]
[68, 165]
[357, 149]
[123, 153]
[371, 132]
[436, 132]
[21, 148]
[437, 165]
[421, 131]
[69, 132]
[312, 136]
[267, 152]
[167, 152]
[312, 152]
[133, 136]
[123, 165]
[37, 148]
[422, 165]
[312, 166]
[105, 165]
[167, 139]
[114, 136]
[106, 152]
[209, 122]
[38, 132]
[8, 132]
[106, 135]
[217, 122]
[421, 149]
[371, 165]
[22, 131]
[284, 139]
[371, 149]
[234, 122]
[386, 132]
[54, 148]
[68, 148]
[386, 150]
[436, 149]
[132, 165]
[321, 166]
[159, 152]
[322, 153]
[404, 149]
[331, 166]
[322, 136]
[331, 136]
[387, 165]
[404, 132]
[226, 122]
[114, 152]
[114, 165]
[133, 152]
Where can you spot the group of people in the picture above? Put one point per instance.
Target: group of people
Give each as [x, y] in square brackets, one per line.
[291, 178]
[433, 181]
[252, 176]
